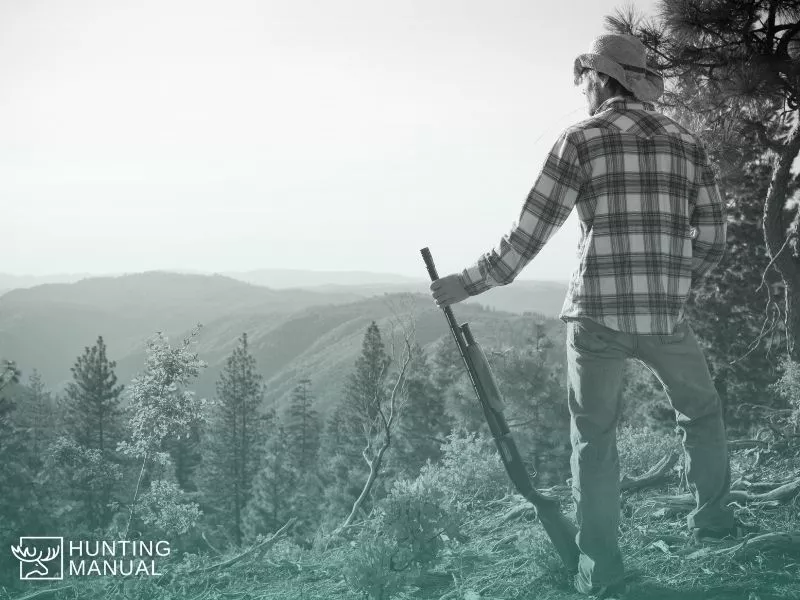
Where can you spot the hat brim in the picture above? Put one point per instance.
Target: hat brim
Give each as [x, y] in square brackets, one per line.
[646, 86]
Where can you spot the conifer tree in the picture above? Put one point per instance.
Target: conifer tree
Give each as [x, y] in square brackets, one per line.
[365, 389]
[363, 393]
[424, 425]
[534, 396]
[347, 426]
[269, 505]
[377, 403]
[453, 384]
[234, 438]
[38, 414]
[302, 423]
[302, 426]
[16, 478]
[94, 417]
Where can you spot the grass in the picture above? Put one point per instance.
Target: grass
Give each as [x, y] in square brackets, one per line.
[498, 558]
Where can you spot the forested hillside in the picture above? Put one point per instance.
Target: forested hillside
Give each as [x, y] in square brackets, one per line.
[291, 330]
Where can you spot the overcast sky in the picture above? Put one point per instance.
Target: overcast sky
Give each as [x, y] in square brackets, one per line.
[245, 134]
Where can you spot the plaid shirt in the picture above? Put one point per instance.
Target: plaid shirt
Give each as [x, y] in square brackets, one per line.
[651, 219]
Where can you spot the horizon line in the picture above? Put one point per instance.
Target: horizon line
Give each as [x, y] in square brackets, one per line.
[231, 272]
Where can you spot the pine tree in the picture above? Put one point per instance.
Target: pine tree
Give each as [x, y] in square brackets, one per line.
[347, 429]
[363, 393]
[452, 383]
[363, 426]
[365, 389]
[94, 416]
[16, 478]
[269, 505]
[38, 414]
[537, 411]
[376, 404]
[302, 426]
[424, 425]
[234, 438]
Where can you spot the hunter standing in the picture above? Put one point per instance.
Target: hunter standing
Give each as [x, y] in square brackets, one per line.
[652, 223]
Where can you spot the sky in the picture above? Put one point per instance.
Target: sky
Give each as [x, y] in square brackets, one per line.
[244, 134]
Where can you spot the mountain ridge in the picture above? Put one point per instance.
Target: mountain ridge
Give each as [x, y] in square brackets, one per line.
[291, 332]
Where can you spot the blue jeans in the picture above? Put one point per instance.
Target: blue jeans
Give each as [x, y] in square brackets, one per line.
[596, 357]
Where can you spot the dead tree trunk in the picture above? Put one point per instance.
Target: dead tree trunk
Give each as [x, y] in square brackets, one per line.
[781, 236]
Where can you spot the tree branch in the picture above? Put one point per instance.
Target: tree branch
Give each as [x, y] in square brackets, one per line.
[782, 49]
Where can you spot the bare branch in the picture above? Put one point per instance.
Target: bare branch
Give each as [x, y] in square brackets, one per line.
[772, 262]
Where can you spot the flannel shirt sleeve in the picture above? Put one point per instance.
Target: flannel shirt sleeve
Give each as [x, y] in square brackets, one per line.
[547, 206]
[709, 220]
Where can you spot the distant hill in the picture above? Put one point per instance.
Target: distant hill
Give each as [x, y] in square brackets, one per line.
[49, 324]
[291, 332]
[300, 278]
[545, 297]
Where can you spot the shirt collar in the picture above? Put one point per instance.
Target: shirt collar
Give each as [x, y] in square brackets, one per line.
[623, 103]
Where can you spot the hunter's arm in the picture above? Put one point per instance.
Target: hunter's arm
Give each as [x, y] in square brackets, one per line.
[547, 207]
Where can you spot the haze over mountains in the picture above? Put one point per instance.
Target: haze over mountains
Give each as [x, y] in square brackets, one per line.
[302, 325]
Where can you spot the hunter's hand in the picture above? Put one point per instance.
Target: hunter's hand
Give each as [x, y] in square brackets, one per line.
[448, 290]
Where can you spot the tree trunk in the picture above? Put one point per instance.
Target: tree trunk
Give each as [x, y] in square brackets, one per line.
[775, 237]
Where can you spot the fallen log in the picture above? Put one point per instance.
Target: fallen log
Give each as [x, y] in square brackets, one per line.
[743, 484]
[258, 549]
[747, 444]
[781, 541]
[785, 492]
[686, 502]
[660, 472]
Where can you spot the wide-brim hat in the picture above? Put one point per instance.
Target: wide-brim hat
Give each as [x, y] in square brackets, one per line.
[624, 58]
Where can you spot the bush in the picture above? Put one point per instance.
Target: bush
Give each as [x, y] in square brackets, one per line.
[403, 538]
[641, 448]
[163, 507]
[368, 568]
[470, 470]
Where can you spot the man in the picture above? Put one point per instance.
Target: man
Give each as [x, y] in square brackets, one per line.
[652, 222]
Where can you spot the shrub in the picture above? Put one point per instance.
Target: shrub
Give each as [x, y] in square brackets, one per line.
[641, 448]
[164, 508]
[368, 568]
[404, 537]
[470, 470]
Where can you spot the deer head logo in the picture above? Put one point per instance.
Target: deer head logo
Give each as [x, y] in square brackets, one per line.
[40, 557]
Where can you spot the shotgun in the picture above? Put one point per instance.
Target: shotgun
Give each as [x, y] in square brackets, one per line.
[559, 529]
